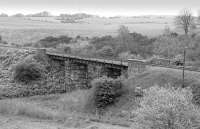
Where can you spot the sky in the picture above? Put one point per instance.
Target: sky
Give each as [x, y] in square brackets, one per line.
[99, 7]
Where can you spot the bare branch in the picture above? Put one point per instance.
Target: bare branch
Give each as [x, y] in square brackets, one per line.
[185, 20]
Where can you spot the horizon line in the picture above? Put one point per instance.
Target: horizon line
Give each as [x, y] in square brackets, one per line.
[94, 14]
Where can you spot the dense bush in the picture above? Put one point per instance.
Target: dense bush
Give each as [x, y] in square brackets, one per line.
[53, 41]
[196, 92]
[167, 109]
[106, 52]
[1, 41]
[67, 50]
[27, 71]
[100, 42]
[105, 92]
[135, 43]
[64, 49]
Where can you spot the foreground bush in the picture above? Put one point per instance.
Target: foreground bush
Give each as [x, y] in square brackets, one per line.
[105, 92]
[167, 109]
[27, 71]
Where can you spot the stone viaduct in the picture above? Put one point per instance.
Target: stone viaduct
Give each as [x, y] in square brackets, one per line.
[77, 72]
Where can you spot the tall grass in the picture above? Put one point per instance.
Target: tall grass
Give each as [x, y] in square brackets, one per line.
[74, 101]
[22, 108]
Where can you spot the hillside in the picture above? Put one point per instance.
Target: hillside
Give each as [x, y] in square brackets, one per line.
[68, 110]
[164, 77]
[30, 29]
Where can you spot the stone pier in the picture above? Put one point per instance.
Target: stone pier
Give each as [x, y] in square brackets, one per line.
[136, 66]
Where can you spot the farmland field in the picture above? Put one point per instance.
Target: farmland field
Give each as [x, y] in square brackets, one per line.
[31, 29]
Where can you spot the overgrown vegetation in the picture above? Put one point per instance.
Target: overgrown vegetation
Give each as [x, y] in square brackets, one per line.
[52, 42]
[167, 108]
[105, 92]
[27, 72]
[22, 108]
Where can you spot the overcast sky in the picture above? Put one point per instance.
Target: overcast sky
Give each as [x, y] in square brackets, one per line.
[100, 7]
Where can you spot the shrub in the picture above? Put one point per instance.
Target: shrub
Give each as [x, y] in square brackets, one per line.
[167, 109]
[105, 92]
[196, 92]
[106, 51]
[67, 50]
[52, 42]
[27, 71]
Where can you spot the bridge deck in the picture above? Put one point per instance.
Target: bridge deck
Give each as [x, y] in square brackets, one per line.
[95, 60]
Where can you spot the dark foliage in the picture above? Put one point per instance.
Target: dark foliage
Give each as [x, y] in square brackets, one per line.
[196, 92]
[106, 52]
[67, 50]
[105, 92]
[26, 72]
[100, 42]
[54, 41]
[141, 45]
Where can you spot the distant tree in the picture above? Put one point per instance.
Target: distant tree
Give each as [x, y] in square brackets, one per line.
[51, 41]
[185, 20]
[18, 15]
[64, 39]
[3, 15]
[106, 52]
[141, 45]
[41, 14]
[124, 36]
[78, 37]
[167, 46]
[100, 42]
[67, 50]
[167, 30]
[169, 33]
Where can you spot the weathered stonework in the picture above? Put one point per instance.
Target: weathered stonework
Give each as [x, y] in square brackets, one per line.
[56, 76]
[136, 66]
[74, 75]
[77, 75]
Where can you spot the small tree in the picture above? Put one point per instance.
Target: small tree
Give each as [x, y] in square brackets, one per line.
[185, 21]
[124, 36]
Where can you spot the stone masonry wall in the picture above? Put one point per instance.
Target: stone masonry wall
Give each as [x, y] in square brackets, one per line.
[136, 67]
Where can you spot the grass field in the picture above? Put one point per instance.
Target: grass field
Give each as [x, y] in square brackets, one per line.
[31, 29]
[52, 112]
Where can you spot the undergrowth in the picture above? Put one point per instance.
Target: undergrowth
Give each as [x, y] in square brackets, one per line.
[21, 108]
